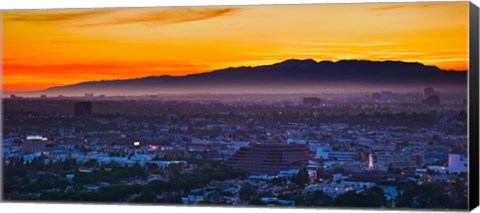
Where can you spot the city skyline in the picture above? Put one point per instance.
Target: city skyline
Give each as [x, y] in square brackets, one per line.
[73, 46]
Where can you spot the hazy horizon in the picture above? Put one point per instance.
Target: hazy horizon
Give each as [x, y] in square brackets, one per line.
[244, 87]
[339, 90]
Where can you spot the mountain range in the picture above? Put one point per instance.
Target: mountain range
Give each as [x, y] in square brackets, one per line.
[288, 75]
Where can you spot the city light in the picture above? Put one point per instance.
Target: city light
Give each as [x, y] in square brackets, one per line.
[34, 137]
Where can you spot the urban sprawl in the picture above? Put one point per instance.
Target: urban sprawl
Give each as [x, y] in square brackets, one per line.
[384, 149]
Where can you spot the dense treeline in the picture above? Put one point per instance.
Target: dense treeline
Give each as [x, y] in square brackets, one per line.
[38, 180]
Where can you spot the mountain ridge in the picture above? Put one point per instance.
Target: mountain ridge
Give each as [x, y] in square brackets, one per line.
[290, 72]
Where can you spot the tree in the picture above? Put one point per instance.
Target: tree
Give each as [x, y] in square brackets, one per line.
[427, 196]
[393, 170]
[376, 196]
[302, 178]
[317, 198]
[373, 197]
[146, 196]
[205, 202]
[256, 202]
[247, 191]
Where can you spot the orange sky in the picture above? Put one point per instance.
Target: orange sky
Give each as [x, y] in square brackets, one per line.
[45, 48]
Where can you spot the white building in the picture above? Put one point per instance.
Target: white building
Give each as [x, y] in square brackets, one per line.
[457, 163]
[335, 155]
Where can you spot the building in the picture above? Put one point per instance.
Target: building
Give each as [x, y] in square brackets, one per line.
[335, 155]
[399, 160]
[83, 108]
[376, 97]
[427, 92]
[386, 96]
[312, 101]
[169, 152]
[433, 100]
[457, 163]
[270, 159]
[33, 144]
[89, 95]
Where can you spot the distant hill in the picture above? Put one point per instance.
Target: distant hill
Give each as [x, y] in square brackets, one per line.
[286, 75]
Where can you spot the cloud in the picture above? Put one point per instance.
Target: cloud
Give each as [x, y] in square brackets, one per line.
[76, 41]
[101, 17]
[395, 6]
[29, 77]
[380, 43]
[166, 16]
[27, 86]
[56, 68]
[105, 69]
[389, 7]
[9, 60]
[395, 53]
[347, 43]
[55, 16]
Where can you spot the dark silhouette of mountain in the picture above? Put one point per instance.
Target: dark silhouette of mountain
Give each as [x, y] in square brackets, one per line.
[289, 73]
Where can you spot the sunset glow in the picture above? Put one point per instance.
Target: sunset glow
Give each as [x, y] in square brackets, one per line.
[45, 48]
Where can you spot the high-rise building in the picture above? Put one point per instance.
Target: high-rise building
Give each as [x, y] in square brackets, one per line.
[270, 159]
[427, 92]
[376, 97]
[83, 108]
[433, 100]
